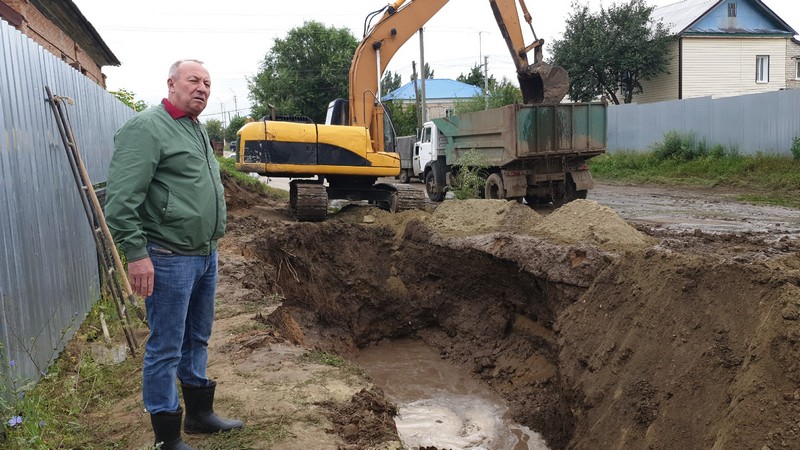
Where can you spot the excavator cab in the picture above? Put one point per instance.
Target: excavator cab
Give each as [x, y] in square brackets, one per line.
[338, 112]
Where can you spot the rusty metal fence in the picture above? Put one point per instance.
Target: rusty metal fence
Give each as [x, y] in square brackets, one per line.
[750, 124]
[48, 262]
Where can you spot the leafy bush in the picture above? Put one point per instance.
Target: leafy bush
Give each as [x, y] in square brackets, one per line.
[687, 147]
[468, 182]
[796, 148]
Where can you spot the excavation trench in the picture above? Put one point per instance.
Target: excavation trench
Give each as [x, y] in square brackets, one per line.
[594, 334]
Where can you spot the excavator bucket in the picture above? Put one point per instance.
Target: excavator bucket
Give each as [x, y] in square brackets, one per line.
[542, 83]
[539, 82]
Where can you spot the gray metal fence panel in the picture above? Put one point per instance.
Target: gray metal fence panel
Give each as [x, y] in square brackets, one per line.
[766, 122]
[48, 263]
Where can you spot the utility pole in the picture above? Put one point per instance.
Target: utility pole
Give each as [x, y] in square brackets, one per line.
[235, 105]
[422, 69]
[485, 82]
[416, 95]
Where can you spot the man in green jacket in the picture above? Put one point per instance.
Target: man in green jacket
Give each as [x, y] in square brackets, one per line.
[165, 207]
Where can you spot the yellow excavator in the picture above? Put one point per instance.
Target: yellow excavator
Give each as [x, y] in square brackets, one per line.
[356, 145]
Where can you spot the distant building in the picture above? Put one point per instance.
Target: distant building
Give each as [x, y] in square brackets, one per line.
[723, 48]
[793, 63]
[60, 28]
[441, 95]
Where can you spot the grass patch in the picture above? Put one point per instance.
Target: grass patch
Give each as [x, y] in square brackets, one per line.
[324, 358]
[228, 167]
[57, 411]
[760, 178]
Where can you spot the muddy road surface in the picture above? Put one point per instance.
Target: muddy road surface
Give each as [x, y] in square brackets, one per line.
[706, 210]
[613, 322]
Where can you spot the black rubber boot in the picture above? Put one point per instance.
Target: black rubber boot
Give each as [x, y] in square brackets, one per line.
[200, 416]
[167, 427]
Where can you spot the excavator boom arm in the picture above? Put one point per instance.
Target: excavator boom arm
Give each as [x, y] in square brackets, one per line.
[539, 82]
[400, 22]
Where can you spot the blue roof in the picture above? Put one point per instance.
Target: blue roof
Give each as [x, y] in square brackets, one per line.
[435, 89]
[711, 16]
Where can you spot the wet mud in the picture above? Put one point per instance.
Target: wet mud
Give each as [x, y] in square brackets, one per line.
[596, 333]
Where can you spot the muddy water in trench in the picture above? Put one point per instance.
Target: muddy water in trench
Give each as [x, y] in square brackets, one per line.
[439, 405]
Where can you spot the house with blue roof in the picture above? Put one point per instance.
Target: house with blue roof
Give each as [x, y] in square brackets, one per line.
[724, 48]
[441, 95]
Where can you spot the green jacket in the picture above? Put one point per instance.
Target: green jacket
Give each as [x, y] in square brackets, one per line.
[164, 186]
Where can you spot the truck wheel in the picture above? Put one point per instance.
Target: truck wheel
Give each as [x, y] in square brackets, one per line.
[569, 193]
[430, 185]
[403, 177]
[494, 188]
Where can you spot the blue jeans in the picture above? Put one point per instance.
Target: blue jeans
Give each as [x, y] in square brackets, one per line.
[180, 314]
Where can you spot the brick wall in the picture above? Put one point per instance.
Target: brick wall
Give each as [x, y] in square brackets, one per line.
[792, 61]
[53, 39]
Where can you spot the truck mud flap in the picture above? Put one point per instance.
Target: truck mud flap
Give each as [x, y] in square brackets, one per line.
[515, 182]
[583, 180]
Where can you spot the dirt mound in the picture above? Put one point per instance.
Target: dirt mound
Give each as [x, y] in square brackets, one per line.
[588, 221]
[374, 216]
[366, 421]
[669, 350]
[471, 217]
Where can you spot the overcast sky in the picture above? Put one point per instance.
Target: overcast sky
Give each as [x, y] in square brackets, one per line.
[233, 37]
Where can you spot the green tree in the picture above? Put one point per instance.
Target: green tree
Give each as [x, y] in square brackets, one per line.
[475, 77]
[611, 52]
[404, 118]
[504, 93]
[129, 98]
[304, 71]
[390, 82]
[214, 129]
[428, 73]
[237, 122]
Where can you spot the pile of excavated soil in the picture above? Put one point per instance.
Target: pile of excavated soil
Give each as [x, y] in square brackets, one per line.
[471, 217]
[589, 222]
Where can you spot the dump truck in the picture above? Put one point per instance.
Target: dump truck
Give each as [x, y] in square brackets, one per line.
[412, 162]
[533, 152]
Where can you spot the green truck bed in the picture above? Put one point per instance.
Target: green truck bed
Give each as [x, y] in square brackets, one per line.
[522, 132]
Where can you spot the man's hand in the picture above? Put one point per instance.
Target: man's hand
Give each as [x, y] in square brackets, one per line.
[141, 277]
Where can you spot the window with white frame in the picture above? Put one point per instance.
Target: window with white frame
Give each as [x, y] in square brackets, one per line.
[732, 9]
[797, 69]
[762, 69]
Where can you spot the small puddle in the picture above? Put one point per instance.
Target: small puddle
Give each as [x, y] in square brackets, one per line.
[439, 405]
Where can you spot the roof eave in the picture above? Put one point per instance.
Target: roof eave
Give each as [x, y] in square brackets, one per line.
[66, 15]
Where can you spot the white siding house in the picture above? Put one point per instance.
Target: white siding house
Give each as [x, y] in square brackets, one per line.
[793, 64]
[722, 48]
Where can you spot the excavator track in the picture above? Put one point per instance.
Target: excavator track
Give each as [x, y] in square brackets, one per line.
[405, 196]
[308, 201]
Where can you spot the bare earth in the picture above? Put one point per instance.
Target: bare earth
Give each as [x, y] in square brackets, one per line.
[639, 318]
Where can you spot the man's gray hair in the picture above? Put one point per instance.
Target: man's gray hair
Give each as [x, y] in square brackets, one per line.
[173, 69]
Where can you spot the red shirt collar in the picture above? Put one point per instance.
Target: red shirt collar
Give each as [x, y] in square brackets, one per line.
[174, 111]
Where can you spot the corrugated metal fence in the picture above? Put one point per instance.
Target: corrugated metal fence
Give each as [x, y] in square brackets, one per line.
[749, 123]
[48, 263]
